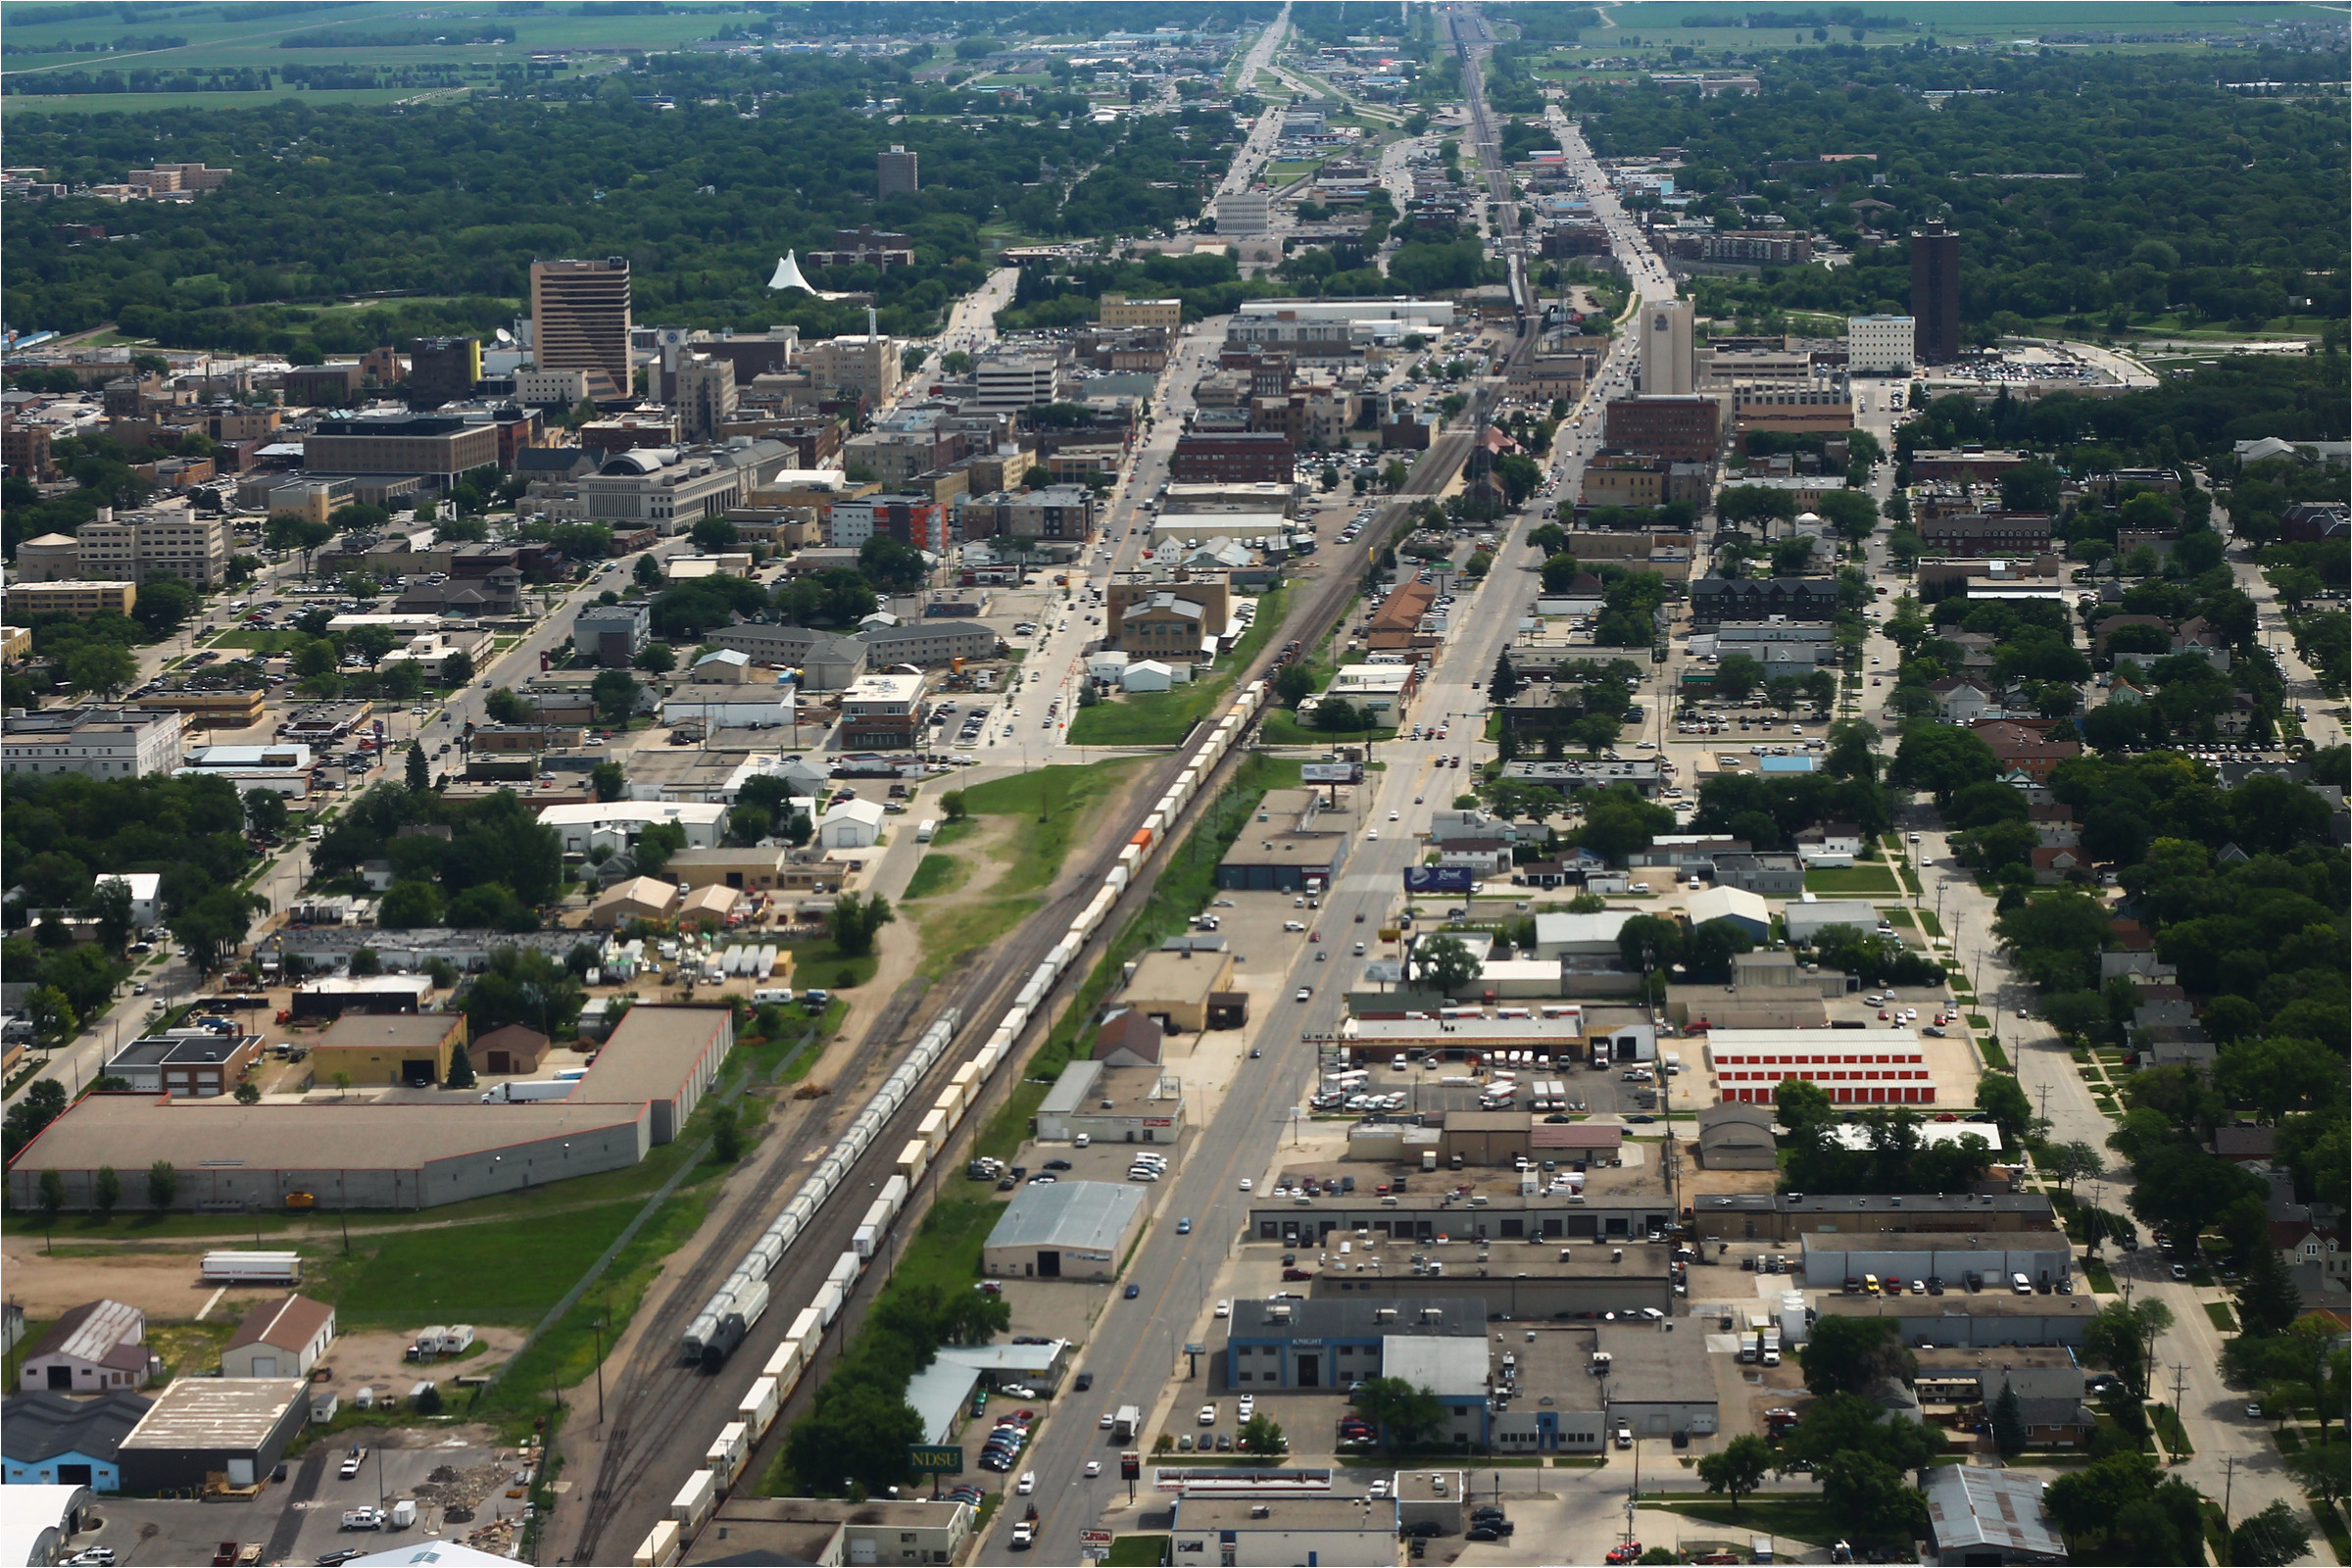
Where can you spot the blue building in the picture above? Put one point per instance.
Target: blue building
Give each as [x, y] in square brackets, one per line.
[49, 1439]
[1335, 1343]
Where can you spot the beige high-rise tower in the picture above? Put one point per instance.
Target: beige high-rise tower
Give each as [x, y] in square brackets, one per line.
[1668, 363]
[580, 321]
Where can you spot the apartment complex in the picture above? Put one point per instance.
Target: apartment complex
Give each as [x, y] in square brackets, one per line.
[580, 321]
[882, 712]
[171, 541]
[1820, 406]
[1013, 382]
[79, 597]
[434, 447]
[1251, 455]
[1683, 429]
[897, 173]
[1054, 512]
[860, 363]
[102, 742]
[1118, 311]
[911, 519]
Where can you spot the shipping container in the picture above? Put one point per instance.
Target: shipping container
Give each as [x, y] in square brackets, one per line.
[914, 1159]
[256, 1268]
[691, 1507]
[758, 1408]
[662, 1544]
[729, 1451]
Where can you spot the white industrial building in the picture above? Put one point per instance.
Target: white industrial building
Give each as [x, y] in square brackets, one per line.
[851, 825]
[616, 824]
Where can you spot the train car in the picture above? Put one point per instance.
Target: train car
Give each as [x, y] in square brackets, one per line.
[704, 1331]
[691, 1507]
[808, 1325]
[867, 1240]
[662, 1545]
[829, 1299]
[932, 1130]
[845, 1269]
[728, 1453]
[968, 1078]
[894, 1193]
[914, 1160]
[757, 1411]
[748, 1306]
[783, 1368]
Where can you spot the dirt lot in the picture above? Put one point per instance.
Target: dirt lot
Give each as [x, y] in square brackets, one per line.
[160, 1283]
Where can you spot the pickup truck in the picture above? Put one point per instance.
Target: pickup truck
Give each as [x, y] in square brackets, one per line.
[1025, 1536]
[364, 1518]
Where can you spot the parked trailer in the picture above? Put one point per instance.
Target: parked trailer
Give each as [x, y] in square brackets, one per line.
[252, 1268]
[765, 964]
[691, 1507]
[662, 1545]
[758, 1408]
[729, 1452]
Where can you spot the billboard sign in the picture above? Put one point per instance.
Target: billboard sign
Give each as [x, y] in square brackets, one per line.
[935, 1459]
[1331, 772]
[1439, 879]
[1100, 1538]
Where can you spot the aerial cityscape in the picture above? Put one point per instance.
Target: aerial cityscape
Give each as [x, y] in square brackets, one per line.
[1215, 783]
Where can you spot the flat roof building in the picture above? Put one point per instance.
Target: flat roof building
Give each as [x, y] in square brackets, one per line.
[374, 1047]
[1065, 1230]
[1175, 987]
[199, 1426]
[52, 1441]
[1660, 1381]
[102, 742]
[1108, 1104]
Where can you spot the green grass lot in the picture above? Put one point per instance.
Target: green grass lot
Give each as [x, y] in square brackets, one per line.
[1850, 879]
[1049, 805]
[266, 642]
[1658, 24]
[2167, 1427]
[1281, 727]
[2331, 1525]
[2222, 1316]
[1806, 1519]
[1137, 1551]
[499, 1272]
[1163, 719]
[819, 962]
[935, 874]
[1898, 917]
[2101, 1281]
[955, 931]
[946, 1249]
[1009, 1126]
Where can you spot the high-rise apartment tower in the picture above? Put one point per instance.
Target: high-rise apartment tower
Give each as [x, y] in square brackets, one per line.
[895, 173]
[1935, 294]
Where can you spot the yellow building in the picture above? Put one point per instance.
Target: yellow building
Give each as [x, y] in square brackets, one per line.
[75, 598]
[388, 1047]
[1121, 311]
[15, 641]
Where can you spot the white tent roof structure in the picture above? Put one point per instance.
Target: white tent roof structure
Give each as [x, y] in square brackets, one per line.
[788, 276]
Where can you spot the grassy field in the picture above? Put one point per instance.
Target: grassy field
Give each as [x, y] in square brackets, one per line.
[1803, 1518]
[497, 1272]
[1049, 806]
[1163, 718]
[2219, 1312]
[820, 963]
[957, 929]
[2095, 1272]
[1137, 1551]
[1850, 879]
[2167, 1427]
[946, 1249]
[936, 873]
[1281, 727]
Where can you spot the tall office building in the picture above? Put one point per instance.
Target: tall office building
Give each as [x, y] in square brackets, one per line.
[706, 398]
[443, 370]
[1935, 294]
[1668, 357]
[580, 321]
[895, 173]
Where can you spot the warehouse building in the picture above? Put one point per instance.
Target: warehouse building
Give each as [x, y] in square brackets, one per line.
[238, 1427]
[50, 1439]
[413, 1048]
[1852, 1066]
[1737, 1137]
[1659, 1383]
[1108, 1104]
[1425, 1216]
[1991, 1317]
[1787, 1217]
[1332, 1344]
[1989, 1516]
[396, 1154]
[1064, 1230]
[1549, 1283]
[1236, 1530]
[1176, 987]
[279, 1338]
[1830, 1258]
[93, 1348]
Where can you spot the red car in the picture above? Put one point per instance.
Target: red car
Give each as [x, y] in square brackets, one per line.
[1296, 1274]
[1630, 1552]
[1881, 1013]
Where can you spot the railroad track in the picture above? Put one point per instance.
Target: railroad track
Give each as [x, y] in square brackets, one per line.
[665, 1403]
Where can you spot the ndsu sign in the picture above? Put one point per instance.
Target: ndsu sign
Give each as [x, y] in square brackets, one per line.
[1439, 879]
[935, 1459]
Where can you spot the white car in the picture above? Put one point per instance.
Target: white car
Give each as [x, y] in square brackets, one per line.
[1107, 1423]
[1391, 816]
[1028, 1484]
[1304, 994]
[1209, 1416]
[1246, 1408]
[1245, 1184]
[1093, 1468]
[1224, 1309]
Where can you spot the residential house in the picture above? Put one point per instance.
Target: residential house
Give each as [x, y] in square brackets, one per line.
[1960, 700]
[2024, 751]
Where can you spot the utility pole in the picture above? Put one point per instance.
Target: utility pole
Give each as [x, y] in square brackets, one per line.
[2228, 1480]
[2179, 1378]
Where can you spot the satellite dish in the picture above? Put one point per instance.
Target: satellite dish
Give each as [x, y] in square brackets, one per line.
[505, 336]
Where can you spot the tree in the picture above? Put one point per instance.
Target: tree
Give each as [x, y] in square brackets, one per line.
[461, 1067]
[855, 919]
[2068, 1164]
[647, 573]
[265, 812]
[1402, 1414]
[52, 1202]
[54, 1019]
[458, 669]
[2269, 1538]
[1801, 1107]
[524, 986]
[726, 1133]
[1444, 962]
[610, 780]
[1339, 716]
[1738, 1468]
[2008, 1420]
[615, 692]
[415, 772]
[163, 1184]
[2321, 1470]
[952, 807]
[215, 924]
[106, 1192]
[2268, 1302]
[1871, 1497]
[1941, 760]
[1505, 683]
[42, 1103]
[1618, 821]
[247, 1091]
[656, 845]
[656, 658]
[2120, 1336]
[714, 534]
[1293, 684]
[102, 667]
[1737, 674]
[1853, 1354]
[1261, 1434]
[1999, 1097]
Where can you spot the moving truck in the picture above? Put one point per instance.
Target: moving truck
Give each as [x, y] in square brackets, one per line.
[1123, 1425]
